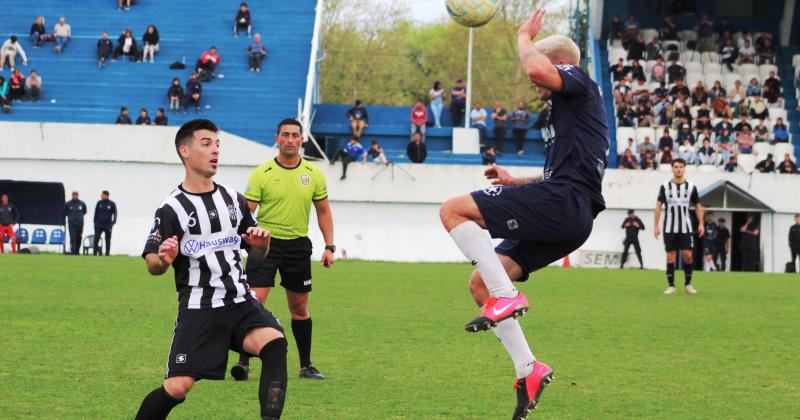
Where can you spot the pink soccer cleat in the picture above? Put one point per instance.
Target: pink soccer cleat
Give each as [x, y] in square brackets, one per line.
[497, 309]
[529, 389]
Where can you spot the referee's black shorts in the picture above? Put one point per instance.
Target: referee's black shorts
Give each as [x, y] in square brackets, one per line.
[678, 242]
[202, 337]
[289, 257]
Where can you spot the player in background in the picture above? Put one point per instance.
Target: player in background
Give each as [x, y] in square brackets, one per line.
[8, 218]
[678, 195]
[540, 219]
[722, 244]
[632, 225]
[199, 230]
[709, 236]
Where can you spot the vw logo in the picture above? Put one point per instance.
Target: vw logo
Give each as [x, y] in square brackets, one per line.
[191, 247]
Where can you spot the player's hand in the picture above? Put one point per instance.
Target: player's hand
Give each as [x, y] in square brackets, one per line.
[701, 230]
[532, 26]
[327, 259]
[257, 237]
[657, 231]
[498, 175]
[168, 250]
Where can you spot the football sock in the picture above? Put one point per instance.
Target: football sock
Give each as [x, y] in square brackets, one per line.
[244, 359]
[157, 405]
[272, 386]
[687, 272]
[511, 336]
[671, 274]
[301, 329]
[472, 241]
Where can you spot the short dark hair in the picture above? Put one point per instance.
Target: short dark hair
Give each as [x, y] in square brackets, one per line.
[358, 102]
[678, 160]
[185, 134]
[105, 192]
[161, 110]
[289, 121]
[123, 108]
[374, 142]
[721, 220]
[13, 39]
[459, 81]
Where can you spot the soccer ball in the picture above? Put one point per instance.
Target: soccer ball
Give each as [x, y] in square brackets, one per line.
[472, 13]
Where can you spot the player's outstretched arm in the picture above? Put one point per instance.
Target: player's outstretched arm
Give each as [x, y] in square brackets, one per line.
[537, 66]
[656, 226]
[258, 239]
[500, 176]
[158, 263]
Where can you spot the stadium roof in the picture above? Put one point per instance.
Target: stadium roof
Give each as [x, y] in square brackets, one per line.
[725, 195]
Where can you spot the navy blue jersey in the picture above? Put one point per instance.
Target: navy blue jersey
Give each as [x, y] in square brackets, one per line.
[576, 136]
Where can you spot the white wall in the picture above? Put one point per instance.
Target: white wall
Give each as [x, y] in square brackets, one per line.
[375, 219]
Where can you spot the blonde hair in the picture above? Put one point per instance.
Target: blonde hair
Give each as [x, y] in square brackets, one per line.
[558, 48]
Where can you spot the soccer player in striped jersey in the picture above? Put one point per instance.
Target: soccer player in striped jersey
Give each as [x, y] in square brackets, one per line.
[199, 230]
[678, 195]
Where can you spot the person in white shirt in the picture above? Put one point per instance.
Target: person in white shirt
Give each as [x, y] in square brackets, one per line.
[9, 52]
[436, 95]
[478, 117]
[746, 52]
[686, 152]
[62, 33]
[33, 85]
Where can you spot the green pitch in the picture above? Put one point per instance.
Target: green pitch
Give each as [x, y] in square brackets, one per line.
[88, 337]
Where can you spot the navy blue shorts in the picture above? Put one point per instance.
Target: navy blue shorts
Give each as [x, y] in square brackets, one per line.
[708, 247]
[541, 223]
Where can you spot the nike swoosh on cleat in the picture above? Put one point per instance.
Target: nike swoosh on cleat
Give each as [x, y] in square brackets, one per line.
[496, 312]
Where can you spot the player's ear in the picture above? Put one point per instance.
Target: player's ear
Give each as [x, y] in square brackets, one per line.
[183, 150]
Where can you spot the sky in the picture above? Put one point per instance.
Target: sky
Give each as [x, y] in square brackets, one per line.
[423, 10]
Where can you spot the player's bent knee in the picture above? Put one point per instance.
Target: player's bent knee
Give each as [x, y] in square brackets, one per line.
[257, 338]
[178, 386]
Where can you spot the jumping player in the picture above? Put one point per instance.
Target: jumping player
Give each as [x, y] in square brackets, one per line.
[678, 195]
[540, 219]
[199, 230]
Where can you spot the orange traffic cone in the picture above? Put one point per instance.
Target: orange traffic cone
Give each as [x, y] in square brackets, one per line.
[566, 262]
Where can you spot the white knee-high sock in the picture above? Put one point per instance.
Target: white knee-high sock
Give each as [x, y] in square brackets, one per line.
[511, 336]
[476, 245]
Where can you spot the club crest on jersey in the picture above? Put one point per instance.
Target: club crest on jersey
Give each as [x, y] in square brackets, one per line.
[232, 212]
[212, 214]
[305, 179]
[493, 191]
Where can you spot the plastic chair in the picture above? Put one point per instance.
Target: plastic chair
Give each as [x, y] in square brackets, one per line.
[88, 243]
[57, 237]
[39, 236]
[22, 236]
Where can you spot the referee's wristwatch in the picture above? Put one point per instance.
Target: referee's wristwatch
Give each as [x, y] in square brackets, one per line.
[331, 248]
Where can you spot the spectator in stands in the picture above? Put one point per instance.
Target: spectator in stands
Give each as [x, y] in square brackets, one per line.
[666, 156]
[679, 89]
[478, 117]
[636, 48]
[720, 107]
[174, 94]
[646, 147]
[38, 34]
[772, 81]
[500, 121]
[625, 115]
[377, 154]
[207, 64]
[745, 140]
[33, 85]
[687, 152]
[417, 151]
[758, 109]
[766, 51]
[669, 29]
[126, 45]
[727, 144]
[732, 164]
[761, 132]
[458, 103]
[661, 91]
[717, 91]
[699, 94]
[780, 132]
[728, 54]
[74, 211]
[520, 121]
[665, 141]
[359, 118]
[123, 117]
[643, 114]
[685, 133]
[705, 32]
[724, 27]
[628, 161]
[737, 94]
[654, 49]
[127, 6]
[256, 53]
[767, 165]
[631, 146]
[648, 162]
[150, 43]
[16, 86]
[104, 49]
[705, 134]
[740, 126]
[631, 29]
[675, 71]
[62, 33]
[144, 117]
[745, 37]
[419, 119]
[350, 153]
[746, 53]
[725, 124]
[160, 119]
[242, 20]
[623, 91]
[617, 27]
[637, 71]
[194, 93]
[619, 71]
[787, 166]
[753, 89]
[4, 101]
[9, 51]
[703, 120]
[659, 71]
[436, 96]
[706, 155]
[772, 95]
[488, 157]
[663, 111]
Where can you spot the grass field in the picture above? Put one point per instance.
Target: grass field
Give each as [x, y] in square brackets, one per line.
[87, 337]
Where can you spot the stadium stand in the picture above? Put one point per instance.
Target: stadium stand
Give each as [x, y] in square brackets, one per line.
[242, 102]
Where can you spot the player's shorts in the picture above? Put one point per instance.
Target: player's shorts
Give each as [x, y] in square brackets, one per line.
[291, 258]
[708, 247]
[202, 337]
[678, 242]
[541, 223]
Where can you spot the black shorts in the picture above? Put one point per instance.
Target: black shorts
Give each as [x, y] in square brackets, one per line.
[708, 247]
[678, 242]
[202, 337]
[541, 223]
[291, 258]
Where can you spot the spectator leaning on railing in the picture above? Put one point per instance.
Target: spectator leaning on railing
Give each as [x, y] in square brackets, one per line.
[767, 165]
[436, 96]
[520, 121]
[123, 117]
[350, 153]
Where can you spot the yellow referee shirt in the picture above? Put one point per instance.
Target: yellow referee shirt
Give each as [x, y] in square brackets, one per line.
[284, 196]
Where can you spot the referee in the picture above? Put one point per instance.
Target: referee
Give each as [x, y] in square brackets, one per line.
[283, 190]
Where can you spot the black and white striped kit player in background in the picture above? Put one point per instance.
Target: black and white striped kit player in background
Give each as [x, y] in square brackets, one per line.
[200, 229]
[678, 195]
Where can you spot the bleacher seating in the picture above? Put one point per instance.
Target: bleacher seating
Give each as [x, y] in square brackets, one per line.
[57, 237]
[22, 235]
[242, 102]
[39, 236]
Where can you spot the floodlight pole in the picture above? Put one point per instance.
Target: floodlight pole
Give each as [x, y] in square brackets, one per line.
[468, 108]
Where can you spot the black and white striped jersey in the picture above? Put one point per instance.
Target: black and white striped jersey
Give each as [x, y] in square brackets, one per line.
[208, 268]
[678, 198]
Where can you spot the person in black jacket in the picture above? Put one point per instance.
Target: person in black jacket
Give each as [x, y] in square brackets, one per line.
[74, 210]
[417, 151]
[104, 49]
[126, 45]
[175, 94]
[359, 118]
[123, 117]
[105, 216]
[632, 225]
[794, 239]
[150, 43]
[194, 92]
[160, 118]
[38, 34]
[144, 117]
[242, 20]
[749, 245]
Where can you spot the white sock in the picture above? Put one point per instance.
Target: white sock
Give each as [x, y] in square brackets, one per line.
[475, 244]
[513, 339]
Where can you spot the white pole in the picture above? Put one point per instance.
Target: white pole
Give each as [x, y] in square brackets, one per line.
[469, 82]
